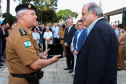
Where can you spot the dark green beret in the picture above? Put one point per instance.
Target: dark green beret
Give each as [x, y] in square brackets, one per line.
[24, 6]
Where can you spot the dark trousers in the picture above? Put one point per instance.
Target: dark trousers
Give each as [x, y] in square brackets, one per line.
[69, 58]
[0, 51]
[43, 45]
[56, 41]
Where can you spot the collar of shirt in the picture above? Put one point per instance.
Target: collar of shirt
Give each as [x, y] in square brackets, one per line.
[116, 31]
[69, 28]
[92, 25]
[79, 31]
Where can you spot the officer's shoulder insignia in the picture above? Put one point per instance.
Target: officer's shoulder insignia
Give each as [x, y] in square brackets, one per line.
[23, 32]
[122, 33]
[29, 32]
[27, 44]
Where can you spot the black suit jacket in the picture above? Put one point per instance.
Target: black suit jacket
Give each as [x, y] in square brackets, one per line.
[97, 59]
[68, 36]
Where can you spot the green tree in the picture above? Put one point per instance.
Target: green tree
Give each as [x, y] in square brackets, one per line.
[66, 14]
[43, 7]
[11, 18]
[48, 16]
[74, 14]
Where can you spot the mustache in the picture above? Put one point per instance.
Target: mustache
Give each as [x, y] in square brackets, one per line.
[83, 19]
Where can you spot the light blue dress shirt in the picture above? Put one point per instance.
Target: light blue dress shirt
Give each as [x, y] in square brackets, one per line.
[55, 34]
[92, 25]
[116, 31]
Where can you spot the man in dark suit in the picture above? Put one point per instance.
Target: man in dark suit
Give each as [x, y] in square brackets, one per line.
[97, 59]
[69, 33]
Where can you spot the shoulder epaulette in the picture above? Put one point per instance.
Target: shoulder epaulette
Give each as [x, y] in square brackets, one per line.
[22, 32]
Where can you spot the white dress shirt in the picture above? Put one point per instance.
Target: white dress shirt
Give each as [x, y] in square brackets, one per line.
[36, 36]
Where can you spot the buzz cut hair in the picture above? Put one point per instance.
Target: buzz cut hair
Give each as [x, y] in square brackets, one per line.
[21, 11]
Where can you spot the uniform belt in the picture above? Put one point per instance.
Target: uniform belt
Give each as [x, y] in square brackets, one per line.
[32, 78]
[19, 75]
[121, 44]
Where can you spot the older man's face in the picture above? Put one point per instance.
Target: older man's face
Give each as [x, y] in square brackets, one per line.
[80, 25]
[86, 16]
[70, 22]
[30, 18]
[114, 26]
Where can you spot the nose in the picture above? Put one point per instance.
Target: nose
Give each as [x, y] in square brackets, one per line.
[36, 16]
[82, 17]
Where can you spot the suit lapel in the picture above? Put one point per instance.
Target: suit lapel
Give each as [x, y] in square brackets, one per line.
[89, 35]
[67, 31]
[70, 29]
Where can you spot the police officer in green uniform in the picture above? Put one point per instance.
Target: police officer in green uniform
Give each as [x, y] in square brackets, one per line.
[22, 51]
[121, 47]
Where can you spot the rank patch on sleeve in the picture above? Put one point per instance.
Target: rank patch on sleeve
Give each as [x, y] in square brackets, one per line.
[27, 44]
[23, 32]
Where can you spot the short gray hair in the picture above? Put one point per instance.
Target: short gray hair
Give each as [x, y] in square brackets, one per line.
[70, 19]
[19, 12]
[94, 7]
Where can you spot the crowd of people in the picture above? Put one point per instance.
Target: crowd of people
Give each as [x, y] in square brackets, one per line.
[91, 46]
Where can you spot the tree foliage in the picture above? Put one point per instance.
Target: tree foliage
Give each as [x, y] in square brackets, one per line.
[47, 16]
[12, 19]
[65, 14]
[45, 10]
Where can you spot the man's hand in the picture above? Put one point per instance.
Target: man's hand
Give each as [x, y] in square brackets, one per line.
[45, 54]
[75, 52]
[55, 58]
[65, 44]
[71, 48]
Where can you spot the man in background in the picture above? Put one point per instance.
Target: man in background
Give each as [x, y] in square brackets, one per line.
[55, 34]
[115, 28]
[69, 33]
[121, 46]
[79, 38]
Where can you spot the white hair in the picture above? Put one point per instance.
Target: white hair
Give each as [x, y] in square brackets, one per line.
[92, 6]
[70, 19]
[21, 11]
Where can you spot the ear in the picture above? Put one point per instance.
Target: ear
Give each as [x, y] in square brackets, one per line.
[22, 16]
[94, 13]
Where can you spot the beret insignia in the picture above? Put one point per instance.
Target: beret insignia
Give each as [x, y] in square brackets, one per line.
[29, 6]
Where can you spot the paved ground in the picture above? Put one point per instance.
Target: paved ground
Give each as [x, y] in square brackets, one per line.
[54, 74]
